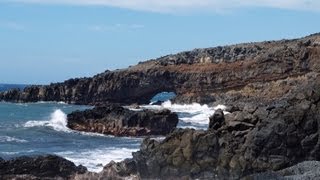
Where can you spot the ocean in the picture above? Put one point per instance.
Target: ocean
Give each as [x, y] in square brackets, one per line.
[40, 128]
[5, 87]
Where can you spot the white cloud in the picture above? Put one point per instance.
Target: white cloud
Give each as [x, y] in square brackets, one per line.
[173, 6]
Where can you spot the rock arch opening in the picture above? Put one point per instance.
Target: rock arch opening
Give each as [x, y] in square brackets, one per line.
[162, 97]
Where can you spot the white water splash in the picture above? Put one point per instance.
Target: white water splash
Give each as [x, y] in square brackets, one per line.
[95, 159]
[189, 113]
[58, 121]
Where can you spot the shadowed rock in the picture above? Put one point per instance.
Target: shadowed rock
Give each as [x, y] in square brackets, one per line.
[222, 74]
[216, 120]
[118, 121]
[40, 167]
[255, 138]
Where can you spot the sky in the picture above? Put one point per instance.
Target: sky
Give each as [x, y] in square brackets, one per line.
[45, 41]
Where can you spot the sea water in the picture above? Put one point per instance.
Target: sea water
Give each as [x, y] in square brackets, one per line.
[40, 128]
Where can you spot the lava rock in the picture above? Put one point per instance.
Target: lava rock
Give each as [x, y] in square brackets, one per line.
[216, 120]
[40, 167]
[119, 121]
[243, 72]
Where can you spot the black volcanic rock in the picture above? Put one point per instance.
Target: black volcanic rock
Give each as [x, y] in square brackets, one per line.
[216, 120]
[221, 74]
[40, 167]
[254, 138]
[118, 121]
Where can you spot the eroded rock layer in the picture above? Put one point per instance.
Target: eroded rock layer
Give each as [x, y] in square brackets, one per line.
[201, 75]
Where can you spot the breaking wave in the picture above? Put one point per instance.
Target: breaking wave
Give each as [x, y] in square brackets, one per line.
[58, 122]
[95, 159]
[193, 115]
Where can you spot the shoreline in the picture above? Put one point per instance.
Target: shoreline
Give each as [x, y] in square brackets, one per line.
[270, 89]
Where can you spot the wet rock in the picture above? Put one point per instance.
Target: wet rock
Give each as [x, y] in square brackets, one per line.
[118, 121]
[216, 120]
[40, 167]
[264, 137]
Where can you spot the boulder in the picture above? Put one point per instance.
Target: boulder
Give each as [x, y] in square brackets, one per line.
[216, 120]
[119, 121]
[39, 167]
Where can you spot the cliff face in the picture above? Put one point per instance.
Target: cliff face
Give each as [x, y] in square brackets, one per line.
[255, 137]
[221, 74]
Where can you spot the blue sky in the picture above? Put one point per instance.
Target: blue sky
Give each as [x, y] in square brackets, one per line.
[45, 41]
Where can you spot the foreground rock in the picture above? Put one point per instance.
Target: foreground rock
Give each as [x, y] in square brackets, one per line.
[118, 121]
[308, 170]
[253, 138]
[41, 167]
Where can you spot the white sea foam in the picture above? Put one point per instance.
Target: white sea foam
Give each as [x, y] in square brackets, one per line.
[49, 102]
[95, 159]
[195, 113]
[58, 121]
[16, 152]
[11, 139]
[22, 104]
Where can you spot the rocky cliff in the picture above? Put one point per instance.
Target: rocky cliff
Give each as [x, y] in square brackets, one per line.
[274, 102]
[220, 74]
[255, 137]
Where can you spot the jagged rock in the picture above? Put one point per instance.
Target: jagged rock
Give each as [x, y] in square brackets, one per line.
[256, 138]
[40, 167]
[216, 120]
[116, 120]
[243, 72]
[113, 171]
[307, 170]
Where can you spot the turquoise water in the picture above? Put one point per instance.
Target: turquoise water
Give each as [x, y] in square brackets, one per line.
[40, 128]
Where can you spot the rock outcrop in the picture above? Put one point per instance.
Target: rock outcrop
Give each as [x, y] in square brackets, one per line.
[255, 137]
[119, 121]
[201, 75]
[48, 167]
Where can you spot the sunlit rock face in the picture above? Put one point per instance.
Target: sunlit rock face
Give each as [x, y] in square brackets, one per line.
[220, 74]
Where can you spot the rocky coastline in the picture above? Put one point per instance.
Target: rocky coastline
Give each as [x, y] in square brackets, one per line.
[271, 89]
